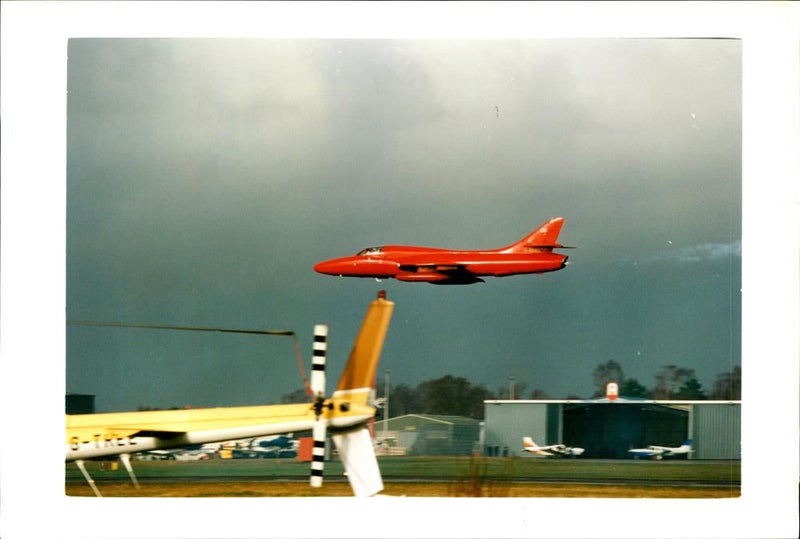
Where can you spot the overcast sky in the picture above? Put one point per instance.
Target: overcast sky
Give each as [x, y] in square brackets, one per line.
[206, 177]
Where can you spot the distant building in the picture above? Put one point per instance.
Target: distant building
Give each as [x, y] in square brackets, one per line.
[79, 404]
[422, 434]
[607, 428]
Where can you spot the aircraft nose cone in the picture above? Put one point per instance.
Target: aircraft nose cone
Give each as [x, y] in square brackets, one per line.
[337, 266]
[328, 267]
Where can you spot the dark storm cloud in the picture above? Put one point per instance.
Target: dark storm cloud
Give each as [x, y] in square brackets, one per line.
[206, 177]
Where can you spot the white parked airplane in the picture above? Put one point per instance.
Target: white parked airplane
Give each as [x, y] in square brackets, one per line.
[658, 451]
[556, 450]
[346, 413]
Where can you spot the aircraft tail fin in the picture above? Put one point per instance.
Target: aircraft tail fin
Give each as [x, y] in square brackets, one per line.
[357, 381]
[528, 443]
[359, 372]
[360, 462]
[544, 238]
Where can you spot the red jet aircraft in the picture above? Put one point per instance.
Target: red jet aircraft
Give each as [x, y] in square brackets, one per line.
[532, 254]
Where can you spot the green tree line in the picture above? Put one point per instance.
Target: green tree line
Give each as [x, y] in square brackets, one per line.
[671, 382]
[455, 395]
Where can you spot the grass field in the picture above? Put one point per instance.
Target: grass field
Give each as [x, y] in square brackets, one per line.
[280, 489]
[434, 476]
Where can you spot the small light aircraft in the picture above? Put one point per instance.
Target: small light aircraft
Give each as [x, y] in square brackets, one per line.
[281, 441]
[346, 413]
[532, 254]
[557, 450]
[658, 452]
[281, 446]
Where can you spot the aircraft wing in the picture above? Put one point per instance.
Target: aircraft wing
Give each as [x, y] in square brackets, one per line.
[437, 272]
[649, 452]
[427, 267]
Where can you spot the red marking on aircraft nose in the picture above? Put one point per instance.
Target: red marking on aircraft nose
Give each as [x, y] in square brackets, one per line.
[337, 266]
[328, 267]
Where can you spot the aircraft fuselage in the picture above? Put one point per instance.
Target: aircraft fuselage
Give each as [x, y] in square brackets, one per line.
[422, 264]
[100, 435]
[532, 254]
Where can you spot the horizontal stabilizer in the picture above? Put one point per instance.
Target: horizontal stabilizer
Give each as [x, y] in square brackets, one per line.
[360, 462]
[544, 238]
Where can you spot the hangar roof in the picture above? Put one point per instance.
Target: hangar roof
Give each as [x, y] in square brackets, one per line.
[447, 419]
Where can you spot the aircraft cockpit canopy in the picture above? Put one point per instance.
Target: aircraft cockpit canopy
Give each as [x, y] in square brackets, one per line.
[370, 251]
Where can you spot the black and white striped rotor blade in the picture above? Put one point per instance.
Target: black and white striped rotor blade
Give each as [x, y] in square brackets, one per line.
[318, 360]
[318, 452]
[319, 432]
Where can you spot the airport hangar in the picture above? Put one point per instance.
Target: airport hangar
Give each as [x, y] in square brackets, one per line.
[607, 428]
